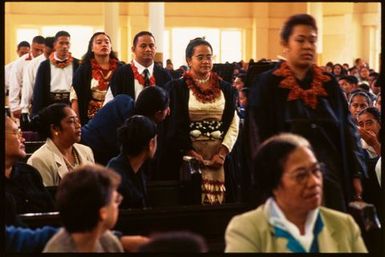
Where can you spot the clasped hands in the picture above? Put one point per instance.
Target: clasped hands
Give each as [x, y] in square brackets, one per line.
[216, 161]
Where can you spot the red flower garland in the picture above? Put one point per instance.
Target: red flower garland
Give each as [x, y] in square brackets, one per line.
[308, 96]
[203, 95]
[59, 64]
[140, 78]
[98, 74]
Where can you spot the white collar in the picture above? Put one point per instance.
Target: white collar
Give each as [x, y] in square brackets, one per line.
[141, 68]
[57, 58]
[278, 219]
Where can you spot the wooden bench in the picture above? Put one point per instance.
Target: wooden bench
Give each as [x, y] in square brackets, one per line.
[207, 221]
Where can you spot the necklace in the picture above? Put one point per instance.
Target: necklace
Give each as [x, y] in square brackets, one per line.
[308, 96]
[202, 81]
[61, 64]
[70, 165]
[140, 78]
[98, 73]
[207, 95]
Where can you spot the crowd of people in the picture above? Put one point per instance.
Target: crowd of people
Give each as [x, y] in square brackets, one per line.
[299, 142]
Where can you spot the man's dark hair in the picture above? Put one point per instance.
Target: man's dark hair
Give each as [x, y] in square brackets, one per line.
[135, 134]
[82, 193]
[194, 43]
[38, 40]
[23, 44]
[62, 33]
[142, 33]
[151, 100]
[48, 42]
[350, 79]
[299, 19]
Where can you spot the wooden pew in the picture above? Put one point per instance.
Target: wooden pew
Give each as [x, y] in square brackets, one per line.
[208, 221]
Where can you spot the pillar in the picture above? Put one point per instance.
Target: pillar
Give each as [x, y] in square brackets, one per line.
[156, 27]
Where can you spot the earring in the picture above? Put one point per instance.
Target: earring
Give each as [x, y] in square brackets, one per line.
[56, 133]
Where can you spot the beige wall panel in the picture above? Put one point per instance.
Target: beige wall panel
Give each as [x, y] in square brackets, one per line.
[274, 46]
[198, 9]
[337, 8]
[60, 8]
[333, 51]
[331, 27]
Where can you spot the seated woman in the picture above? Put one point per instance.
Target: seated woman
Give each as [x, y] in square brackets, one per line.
[291, 219]
[358, 101]
[138, 144]
[61, 152]
[369, 126]
[24, 189]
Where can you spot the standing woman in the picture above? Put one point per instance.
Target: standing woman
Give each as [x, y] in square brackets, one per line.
[297, 96]
[204, 114]
[61, 152]
[91, 80]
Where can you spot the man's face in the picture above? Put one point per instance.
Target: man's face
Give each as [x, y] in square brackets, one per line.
[23, 50]
[37, 49]
[62, 46]
[144, 50]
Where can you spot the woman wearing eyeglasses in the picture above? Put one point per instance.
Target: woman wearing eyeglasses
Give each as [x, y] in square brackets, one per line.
[23, 185]
[206, 124]
[291, 218]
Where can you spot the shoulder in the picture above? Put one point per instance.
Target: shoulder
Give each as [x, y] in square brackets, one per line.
[110, 243]
[83, 148]
[60, 242]
[24, 168]
[42, 151]
[339, 219]
[252, 220]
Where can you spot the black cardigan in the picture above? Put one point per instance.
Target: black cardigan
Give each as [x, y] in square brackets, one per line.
[81, 82]
[179, 98]
[122, 82]
[42, 88]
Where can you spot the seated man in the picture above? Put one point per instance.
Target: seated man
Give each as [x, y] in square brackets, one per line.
[88, 204]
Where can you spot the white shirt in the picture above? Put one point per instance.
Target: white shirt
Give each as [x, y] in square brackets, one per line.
[61, 78]
[16, 81]
[277, 218]
[7, 74]
[138, 86]
[29, 77]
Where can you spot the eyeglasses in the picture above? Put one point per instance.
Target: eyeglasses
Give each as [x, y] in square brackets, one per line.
[203, 57]
[16, 132]
[302, 175]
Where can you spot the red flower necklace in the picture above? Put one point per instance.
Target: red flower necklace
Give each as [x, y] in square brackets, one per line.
[140, 78]
[98, 73]
[60, 64]
[203, 95]
[308, 96]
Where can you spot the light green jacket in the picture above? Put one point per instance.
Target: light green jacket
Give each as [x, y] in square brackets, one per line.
[251, 232]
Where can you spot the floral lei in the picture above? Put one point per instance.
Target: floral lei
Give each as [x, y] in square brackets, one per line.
[139, 77]
[59, 64]
[97, 73]
[308, 96]
[204, 95]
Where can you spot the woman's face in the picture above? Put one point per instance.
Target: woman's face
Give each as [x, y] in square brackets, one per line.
[300, 189]
[364, 73]
[238, 83]
[357, 104]
[101, 45]
[14, 140]
[201, 61]
[70, 131]
[367, 122]
[301, 47]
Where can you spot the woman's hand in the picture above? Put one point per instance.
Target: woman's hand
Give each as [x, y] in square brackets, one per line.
[371, 139]
[197, 156]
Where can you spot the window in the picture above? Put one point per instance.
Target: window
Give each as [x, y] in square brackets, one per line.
[25, 34]
[226, 44]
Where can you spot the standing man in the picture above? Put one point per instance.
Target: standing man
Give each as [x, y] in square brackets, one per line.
[131, 78]
[16, 75]
[22, 48]
[54, 75]
[29, 75]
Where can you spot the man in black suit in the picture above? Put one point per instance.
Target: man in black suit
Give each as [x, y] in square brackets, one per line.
[131, 78]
